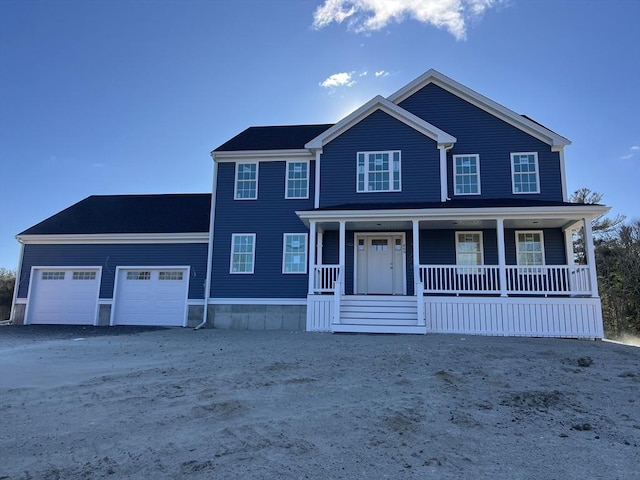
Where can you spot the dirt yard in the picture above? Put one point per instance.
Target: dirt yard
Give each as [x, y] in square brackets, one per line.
[117, 403]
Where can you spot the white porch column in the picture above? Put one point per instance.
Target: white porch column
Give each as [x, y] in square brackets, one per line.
[568, 246]
[343, 253]
[320, 244]
[502, 259]
[590, 255]
[416, 252]
[312, 256]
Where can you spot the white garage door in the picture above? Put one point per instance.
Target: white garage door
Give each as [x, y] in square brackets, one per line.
[151, 296]
[64, 296]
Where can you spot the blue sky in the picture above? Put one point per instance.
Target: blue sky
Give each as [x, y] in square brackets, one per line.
[130, 96]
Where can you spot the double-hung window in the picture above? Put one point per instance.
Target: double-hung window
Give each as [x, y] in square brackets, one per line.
[246, 181]
[297, 180]
[243, 252]
[466, 174]
[529, 248]
[294, 256]
[378, 172]
[524, 173]
[469, 251]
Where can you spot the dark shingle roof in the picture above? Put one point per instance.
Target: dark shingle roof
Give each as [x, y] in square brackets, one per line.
[455, 203]
[273, 138]
[173, 213]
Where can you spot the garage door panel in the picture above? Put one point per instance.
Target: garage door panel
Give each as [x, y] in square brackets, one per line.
[153, 296]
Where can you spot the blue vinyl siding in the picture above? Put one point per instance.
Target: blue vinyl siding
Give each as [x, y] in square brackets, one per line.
[117, 255]
[479, 132]
[269, 217]
[438, 247]
[554, 250]
[420, 162]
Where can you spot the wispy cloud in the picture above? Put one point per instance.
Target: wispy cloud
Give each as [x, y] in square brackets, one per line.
[381, 73]
[342, 79]
[363, 16]
[633, 152]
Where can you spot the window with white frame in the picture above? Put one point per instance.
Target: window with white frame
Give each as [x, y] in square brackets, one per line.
[466, 174]
[524, 172]
[84, 276]
[529, 248]
[294, 257]
[297, 180]
[378, 172]
[52, 275]
[469, 250]
[246, 181]
[243, 252]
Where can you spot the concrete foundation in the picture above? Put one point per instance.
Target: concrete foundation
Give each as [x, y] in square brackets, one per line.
[18, 313]
[104, 315]
[257, 317]
[195, 315]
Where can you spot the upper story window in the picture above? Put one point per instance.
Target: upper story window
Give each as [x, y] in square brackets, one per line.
[243, 252]
[297, 180]
[246, 181]
[466, 175]
[294, 256]
[529, 248]
[378, 172]
[524, 172]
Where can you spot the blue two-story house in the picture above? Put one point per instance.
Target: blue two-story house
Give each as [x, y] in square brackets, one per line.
[433, 210]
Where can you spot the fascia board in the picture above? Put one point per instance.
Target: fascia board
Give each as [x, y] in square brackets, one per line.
[480, 101]
[581, 211]
[380, 103]
[263, 155]
[106, 238]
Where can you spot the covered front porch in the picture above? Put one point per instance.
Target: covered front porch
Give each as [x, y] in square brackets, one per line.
[494, 271]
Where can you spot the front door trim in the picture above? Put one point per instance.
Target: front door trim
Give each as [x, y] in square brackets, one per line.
[365, 236]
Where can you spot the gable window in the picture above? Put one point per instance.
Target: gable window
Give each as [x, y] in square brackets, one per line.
[243, 252]
[246, 181]
[466, 175]
[469, 250]
[529, 248]
[294, 257]
[297, 180]
[378, 172]
[524, 172]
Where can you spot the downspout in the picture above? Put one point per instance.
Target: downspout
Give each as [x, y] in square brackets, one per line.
[17, 285]
[212, 214]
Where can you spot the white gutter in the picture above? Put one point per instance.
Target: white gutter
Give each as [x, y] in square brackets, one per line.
[212, 214]
[17, 284]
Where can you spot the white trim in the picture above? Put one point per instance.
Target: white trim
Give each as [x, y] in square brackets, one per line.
[197, 302]
[391, 154]
[381, 103]
[513, 173]
[381, 233]
[481, 243]
[261, 155]
[34, 268]
[235, 182]
[253, 264]
[257, 301]
[284, 252]
[539, 232]
[187, 278]
[101, 238]
[316, 193]
[16, 285]
[563, 175]
[476, 156]
[480, 101]
[286, 179]
[105, 301]
[20, 301]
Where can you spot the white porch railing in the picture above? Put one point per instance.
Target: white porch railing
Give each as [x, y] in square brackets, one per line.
[325, 277]
[485, 279]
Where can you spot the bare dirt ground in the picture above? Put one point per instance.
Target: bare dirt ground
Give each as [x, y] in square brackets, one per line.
[118, 403]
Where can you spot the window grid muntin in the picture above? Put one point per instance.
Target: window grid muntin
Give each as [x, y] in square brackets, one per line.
[466, 173]
[138, 275]
[246, 185]
[525, 173]
[171, 275]
[53, 275]
[84, 275]
[530, 248]
[243, 249]
[378, 171]
[297, 184]
[294, 256]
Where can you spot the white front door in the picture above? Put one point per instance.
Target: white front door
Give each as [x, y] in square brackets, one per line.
[380, 264]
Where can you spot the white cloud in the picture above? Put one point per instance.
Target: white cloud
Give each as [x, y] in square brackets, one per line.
[370, 15]
[342, 79]
[635, 148]
[381, 73]
[633, 152]
[364, 74]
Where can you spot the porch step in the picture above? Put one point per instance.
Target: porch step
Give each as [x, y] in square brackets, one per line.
[378, 311]
[408, 329]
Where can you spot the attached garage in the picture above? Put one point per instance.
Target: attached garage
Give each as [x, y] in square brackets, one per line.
[63, 296]
[151, 296]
